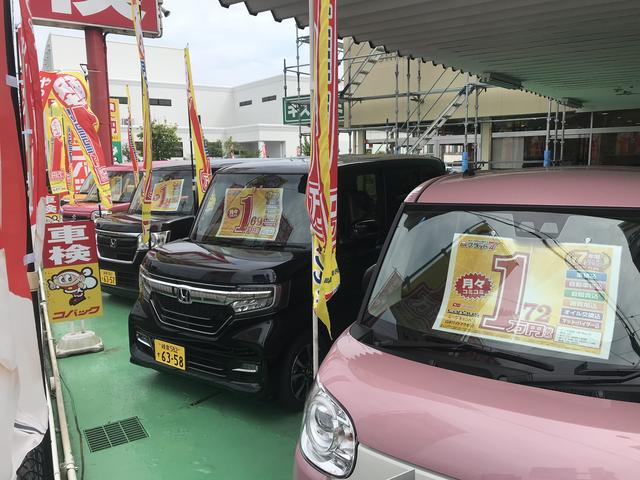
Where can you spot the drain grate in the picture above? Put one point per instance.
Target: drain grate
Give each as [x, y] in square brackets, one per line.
[114, 434]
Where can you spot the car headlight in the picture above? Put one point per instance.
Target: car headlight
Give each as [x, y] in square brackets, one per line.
[157, 239]
[328, 438]
[96, 214]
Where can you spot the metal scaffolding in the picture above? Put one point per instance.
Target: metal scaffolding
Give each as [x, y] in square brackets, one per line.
[408, 136]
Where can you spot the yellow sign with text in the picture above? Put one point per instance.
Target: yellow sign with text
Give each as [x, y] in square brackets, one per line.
[167, 195]
[554, 296]
[252, 213]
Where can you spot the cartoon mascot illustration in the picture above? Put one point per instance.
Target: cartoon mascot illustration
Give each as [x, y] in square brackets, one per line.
[74, 283]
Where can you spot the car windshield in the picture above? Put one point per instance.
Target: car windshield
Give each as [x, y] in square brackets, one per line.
[122, 187]
[262, 209]
[535, 297]
[87, 185]
[172, 193]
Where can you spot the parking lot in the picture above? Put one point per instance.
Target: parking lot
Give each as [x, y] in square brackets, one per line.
[195, 431]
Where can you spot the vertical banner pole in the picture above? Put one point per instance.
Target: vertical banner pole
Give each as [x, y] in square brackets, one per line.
[590, 139]
[312, 99]
[564, 120]
[322, 185]
[194, 187]
[547, 152]
[555, 133]
[465, 150]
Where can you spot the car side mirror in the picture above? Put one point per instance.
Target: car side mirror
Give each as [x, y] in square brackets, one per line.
[366, 277]
[364, 228]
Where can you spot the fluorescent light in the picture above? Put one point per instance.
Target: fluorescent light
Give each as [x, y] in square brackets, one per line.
[571, 102]
[501, 80]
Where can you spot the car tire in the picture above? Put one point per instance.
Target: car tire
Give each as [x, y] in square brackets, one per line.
[34, 466]
[296, 373]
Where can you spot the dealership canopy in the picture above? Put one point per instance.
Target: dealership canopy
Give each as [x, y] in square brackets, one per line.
[585, 50]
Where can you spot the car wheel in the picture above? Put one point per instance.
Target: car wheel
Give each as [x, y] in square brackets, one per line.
[296, 375]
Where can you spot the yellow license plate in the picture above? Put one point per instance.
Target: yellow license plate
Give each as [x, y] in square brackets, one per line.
[170, 354]
[108, 277]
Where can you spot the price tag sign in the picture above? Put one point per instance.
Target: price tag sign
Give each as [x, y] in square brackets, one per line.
[167, 195]
[252, 213]
[554, 296]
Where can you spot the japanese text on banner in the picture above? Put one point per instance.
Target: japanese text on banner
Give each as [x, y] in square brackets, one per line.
[147, 154]
[559, 297]
[71, 271]
[322, 186]
[203, 168]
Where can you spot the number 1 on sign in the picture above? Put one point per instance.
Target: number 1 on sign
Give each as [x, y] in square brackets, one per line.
[513, 278]
[247, 209]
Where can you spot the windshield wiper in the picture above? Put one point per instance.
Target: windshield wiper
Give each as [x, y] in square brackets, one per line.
[585, 376]
[449, 346]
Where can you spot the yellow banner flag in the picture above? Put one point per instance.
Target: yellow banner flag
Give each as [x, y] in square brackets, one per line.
[322, 186]
[203, 168]
[147, 154]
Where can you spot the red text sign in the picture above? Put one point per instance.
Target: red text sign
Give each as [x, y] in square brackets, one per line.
[69, 244]
[110, 15]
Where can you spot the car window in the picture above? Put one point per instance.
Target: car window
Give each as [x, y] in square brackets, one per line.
[362, 199]
[399, 182]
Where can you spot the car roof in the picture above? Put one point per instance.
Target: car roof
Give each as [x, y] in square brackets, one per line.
[300, 165]
[120, 167]
[559, 186]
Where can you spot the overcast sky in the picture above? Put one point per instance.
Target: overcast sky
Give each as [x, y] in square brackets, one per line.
[228, 46]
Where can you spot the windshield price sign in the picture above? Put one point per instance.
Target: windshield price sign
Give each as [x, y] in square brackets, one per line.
[71, 271]
[167, 195]
[555, 296]
[252, 213]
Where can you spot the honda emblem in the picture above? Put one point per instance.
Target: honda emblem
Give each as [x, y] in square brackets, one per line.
[184, 296]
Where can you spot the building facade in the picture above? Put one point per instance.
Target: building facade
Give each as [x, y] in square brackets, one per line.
[249, 114]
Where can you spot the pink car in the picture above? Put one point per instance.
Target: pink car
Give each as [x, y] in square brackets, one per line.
[122, 181]
[499, 338]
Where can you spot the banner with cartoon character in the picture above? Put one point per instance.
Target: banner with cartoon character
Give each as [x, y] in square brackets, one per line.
[554, 296]
[252, 213]
[71, 271]
[71, 92]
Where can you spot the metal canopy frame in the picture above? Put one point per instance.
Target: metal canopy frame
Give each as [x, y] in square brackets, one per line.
[579, 49]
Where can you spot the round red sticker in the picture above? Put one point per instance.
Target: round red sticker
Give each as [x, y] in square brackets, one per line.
[473, 285]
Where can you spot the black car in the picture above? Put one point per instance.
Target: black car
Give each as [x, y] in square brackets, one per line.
[231, 304]
[120, 249]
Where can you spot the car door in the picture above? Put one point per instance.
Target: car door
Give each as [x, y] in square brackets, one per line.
[361, 219]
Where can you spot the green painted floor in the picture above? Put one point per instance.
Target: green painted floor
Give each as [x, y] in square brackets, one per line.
[195, 430]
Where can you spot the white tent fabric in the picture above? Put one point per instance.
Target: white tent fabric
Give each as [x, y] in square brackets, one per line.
[23, 416]
[587, 50]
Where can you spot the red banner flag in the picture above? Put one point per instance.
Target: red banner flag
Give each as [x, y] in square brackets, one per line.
[23, 411]
[33, 126]
[203, 167]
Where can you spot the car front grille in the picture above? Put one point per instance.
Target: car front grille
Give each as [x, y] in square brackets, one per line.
[117, 247]
[197, 317]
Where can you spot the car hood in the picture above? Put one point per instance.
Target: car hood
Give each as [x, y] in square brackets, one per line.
[216, 265]
[132, 223]
[474, 428]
